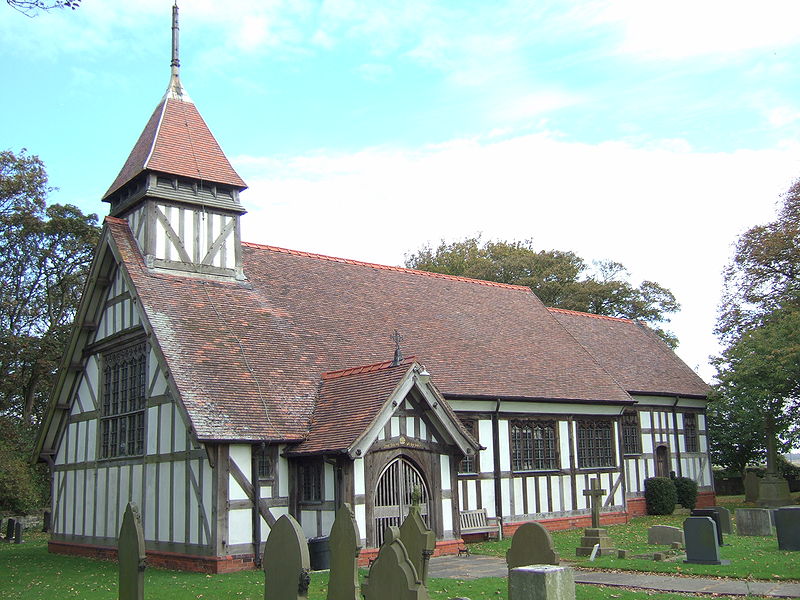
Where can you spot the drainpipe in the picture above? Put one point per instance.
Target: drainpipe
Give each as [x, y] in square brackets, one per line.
[677, 437]
[256, 452]
[498, 499]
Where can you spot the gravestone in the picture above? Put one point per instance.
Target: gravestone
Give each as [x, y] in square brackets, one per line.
[753, 521]
[724, 520]
[10, 526]
[531, 545]
[707, 512]
[131, 555]
[46, 517]
[702, 548]
[595, 535]
[664, 535]
[18, 533]
[541, 582]
[344, 543]
[392, 576]
[787, 526]
[286, 561]
[419, 541]
[751, 481]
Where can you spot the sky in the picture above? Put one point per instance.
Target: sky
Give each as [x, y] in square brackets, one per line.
[648, 133]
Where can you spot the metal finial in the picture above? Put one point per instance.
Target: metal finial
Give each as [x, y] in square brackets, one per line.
[175, 89]
[398, 354]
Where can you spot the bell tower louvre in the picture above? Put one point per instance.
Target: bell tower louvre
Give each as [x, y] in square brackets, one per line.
[178, 191]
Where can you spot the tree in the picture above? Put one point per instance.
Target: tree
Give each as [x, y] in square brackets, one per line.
[758, 373]
[30, 8]
[561, 279]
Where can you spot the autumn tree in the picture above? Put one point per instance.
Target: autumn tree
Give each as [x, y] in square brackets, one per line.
[561, 279]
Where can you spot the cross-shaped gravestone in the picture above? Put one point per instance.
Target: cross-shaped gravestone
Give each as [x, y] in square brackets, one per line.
[344, 543]
[595, 494]
[286, 561]
[131, 555]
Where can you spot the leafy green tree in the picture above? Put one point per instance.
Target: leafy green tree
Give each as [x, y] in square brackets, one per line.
[759, 323]
[561, 279]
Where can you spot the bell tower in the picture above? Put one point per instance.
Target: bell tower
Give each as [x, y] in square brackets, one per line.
[178, 191]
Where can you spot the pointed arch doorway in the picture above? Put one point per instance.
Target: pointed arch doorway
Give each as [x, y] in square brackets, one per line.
[662, 461]
[393, 496]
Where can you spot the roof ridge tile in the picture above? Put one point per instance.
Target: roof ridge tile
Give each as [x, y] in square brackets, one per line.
[590, 315]
[366, 368]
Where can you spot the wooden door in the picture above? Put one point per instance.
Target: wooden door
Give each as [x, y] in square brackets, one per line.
[662, 461]
[393, 496]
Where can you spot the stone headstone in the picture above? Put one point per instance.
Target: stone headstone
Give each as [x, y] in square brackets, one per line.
[773, 491]
[46, 518]
[392, 576]
[707, 512]
[702, 547]
[286, 561]
[724, 518]
[131, 555]
[10, 526]
[419, 541]
[753, 521]
[18, 533]
[664, 535]
[787, 527]
[751, 481]
[541, 582]
[531, 545]
[345, 547]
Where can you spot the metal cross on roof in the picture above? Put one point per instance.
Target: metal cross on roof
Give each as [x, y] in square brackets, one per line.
[398, 354]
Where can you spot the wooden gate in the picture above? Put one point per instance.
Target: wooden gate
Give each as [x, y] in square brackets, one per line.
[393, 496]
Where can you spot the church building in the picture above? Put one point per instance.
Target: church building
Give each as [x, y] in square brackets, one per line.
[220, 384]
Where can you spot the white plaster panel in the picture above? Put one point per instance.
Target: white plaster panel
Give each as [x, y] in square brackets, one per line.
[567, 497]
[556, 493]
[359, 486]
[283, 473]
[702, 443]
[409, 426]
[240, 454]
[79, 501]
[179, 501]
[208, 478]
[530, 485]
[113, 498]
[80, 446]
[136, 492]
[647, 444]
[579, 493]
[69, 486]
[701, 421]
[230, 243]
[327, 521]
[161, 237]
[179, 433]
[72, 432]
[487, 497]
[88, 500]
[265, 491]
[506, 496]
[472, 494]
[444, 466]
[152, 430]
[265, 528]
[504, 449]
[644, 419]
[91, 435]
[165, 428]
[90, 378]
[308, 520]
[563, 444]
[102, 498]
[192, 503]
[188, 232]
[361, 518]
[240, 526]
[235, 492]
[394, 425]
[447, 514]
[433, 437]
[518, 497]
[164, 508]
[328, 480]
[150, 508]
[423, 430]
[542, 483]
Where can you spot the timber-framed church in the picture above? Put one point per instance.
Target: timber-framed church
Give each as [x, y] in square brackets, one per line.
[220, 384]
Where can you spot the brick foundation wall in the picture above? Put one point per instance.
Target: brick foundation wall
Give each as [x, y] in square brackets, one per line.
[637, 506]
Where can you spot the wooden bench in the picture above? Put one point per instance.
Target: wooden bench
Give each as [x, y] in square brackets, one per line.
[476, 521]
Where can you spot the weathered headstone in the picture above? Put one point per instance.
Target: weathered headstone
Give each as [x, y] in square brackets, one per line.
[787, 526]
[131, 555]
[419, 541]
[392, 576]
[595, 535]
[531, 545]
[702, 548]
[286, 561]
[712, 514]
[773, 491]
[541, 582]
[345, 547]
[18, 533]
[724, 520]
[10, 526]
[753, 521]
[751, 481]
[664, 535]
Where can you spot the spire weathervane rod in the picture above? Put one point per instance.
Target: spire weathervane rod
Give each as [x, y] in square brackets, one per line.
[175, 89]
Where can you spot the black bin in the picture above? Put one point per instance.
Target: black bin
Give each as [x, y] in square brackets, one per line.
[319, 553]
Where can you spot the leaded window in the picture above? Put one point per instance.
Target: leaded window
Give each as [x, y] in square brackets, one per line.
[690, 431]
[595, 444]
[309, 476]
[265, 462]
[631, 433]
[533, 446]
[124, 402]
[469, 463]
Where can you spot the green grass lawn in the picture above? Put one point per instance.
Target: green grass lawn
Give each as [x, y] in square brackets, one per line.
[751, 557]
[31, 573]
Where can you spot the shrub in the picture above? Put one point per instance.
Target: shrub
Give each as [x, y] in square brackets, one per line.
[686, 490]
[660, 496]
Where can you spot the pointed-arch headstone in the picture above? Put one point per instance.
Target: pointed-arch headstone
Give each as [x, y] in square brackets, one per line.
[131, 555]
[286, 561]
[392, 576]
[532, 544]
[419, 541]
[345, 547]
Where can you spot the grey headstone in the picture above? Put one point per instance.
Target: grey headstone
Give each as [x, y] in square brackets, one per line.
[531, 545]
[664, 535]
[10, 526]
[541, 582]
[622, 554]
[753, 521]
[751, 481]
[392, 576]
[419, 541]
[286, 561]
[131, 555]
[18, 533]
[707, 512]
[345, 547]
[724, 518]
[787, 526]
[702, 548]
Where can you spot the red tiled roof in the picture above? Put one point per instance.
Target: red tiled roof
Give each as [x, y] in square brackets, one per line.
[177, 141]
[633, 354]
[364, 369]
[247, 356]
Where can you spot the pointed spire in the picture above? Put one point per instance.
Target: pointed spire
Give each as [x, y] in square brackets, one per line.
[175, 89]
